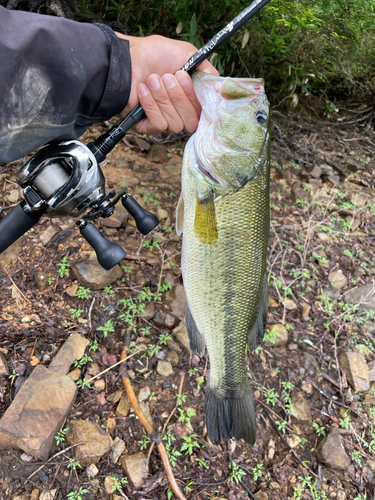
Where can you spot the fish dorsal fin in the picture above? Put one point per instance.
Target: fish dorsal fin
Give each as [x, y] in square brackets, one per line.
[180, 215]
[205, 228]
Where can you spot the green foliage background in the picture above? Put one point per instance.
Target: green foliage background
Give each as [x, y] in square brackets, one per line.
[323, 47]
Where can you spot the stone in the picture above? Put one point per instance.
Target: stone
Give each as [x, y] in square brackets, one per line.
[34, 494]
[114, 397]
[261, 495]
[173, 358]
[99, 385]
[355, 367]
[47, 235]
[144, 394]
[109, 484]
[75, 374]
[294, 441]
[157, 153]
[363, 295]
[371, 371]
[272, 302]
[164, 368]
[300, 191]
[37, 413]
[117, 219]
[161, 213]
[305, 312]
[289, 304]
[311, 365]
[96, 442]
[141, 279]
[338, 279]
[332, 293]
[181, 335]
[149, 312]
[123, 407]
[331, 451]
[178, 306]
[172, 168]
[276, 335]
[11, 254]
[117, 450]
[315, 171]
[136, 468]
[165, 320]
[71, 350]
[91, 275]
[41, 281]
[145, 407]
[173, 346]
[13, 195]
[300, 408]
[92, 471]
[111, 423]
[4, 370]
[48, 495]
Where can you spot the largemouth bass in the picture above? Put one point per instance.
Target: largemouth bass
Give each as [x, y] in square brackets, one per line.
[223, 213]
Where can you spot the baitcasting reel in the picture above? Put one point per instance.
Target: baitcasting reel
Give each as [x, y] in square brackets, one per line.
[65, 179]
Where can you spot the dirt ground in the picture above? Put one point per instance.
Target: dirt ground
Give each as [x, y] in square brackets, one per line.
[321, 221]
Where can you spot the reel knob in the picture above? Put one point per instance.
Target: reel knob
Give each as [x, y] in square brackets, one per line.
[145, 221]
[108, 253]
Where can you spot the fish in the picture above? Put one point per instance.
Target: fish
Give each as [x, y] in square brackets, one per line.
[223, 215]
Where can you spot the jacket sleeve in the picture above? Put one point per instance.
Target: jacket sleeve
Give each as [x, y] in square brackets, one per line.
[57, 77]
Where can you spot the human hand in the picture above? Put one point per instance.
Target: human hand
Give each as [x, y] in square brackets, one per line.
[168, 99]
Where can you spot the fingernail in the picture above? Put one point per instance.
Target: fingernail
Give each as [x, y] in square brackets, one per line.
[142, 90]
[182, 77]
[153, 82]
[169, 81]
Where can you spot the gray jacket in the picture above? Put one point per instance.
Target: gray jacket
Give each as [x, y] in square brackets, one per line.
[57, 77]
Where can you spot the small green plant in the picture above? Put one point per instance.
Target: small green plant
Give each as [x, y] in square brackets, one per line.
[189, 444]
[83, 383]
[281, 425]
[51, 280]
[63, 268]
[236, 473]
[76, 313]
[83, 361]
[320, 430]
[151, 245]
[164, 337]
[144, 442]
[181, 398]
[271, 397]
[83, 293]
[109, 291]
[77, 495]
[61, 435]
[356, 457]
[185, 416]
[74, 464]
[109, 327]
[257, 470]
[193, 371]
[169, 493]
[94, 345]
[345, 421]
[117, 483]
[13, 375]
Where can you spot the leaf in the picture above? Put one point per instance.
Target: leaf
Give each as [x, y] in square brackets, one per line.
[193, 25]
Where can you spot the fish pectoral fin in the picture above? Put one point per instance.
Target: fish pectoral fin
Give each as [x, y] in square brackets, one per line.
[256, 332]
[205, 227]
[180, 215]
[196, 340]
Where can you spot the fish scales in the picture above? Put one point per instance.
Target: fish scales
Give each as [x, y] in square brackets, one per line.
[225, 278]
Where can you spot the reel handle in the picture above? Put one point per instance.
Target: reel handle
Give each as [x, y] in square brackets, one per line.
[108, 253]
[16, 223]
[145, 221]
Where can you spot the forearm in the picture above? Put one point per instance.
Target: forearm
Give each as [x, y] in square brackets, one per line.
[57, 78]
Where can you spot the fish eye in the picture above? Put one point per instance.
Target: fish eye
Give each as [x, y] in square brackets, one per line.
[261, 116]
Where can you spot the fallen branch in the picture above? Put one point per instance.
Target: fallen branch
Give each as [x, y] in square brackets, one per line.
[150, 431]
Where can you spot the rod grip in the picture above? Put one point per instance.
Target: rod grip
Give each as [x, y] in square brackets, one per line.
[16, 223]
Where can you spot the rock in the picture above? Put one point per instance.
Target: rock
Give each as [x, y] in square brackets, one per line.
[3, 366]
[338, 279]
[114, 397]
[331, 451]
[141, 279]
[117, 219]
[294, 441]
[109, 485]
[157, 153]
[11, 253]
[300, 408]
[181, 335]
[91, 275]
[13, 195]
[371, 371]
[307, 387]
[145, 407]
[178, 306]
[41, 281]
[117, 449]
[99, 385]
[92, 471]
[149, 312]
[172, 168]
[261, 495]
[173, 346]
[38, 412]
[271, 447]
[47, 235]
[355, 367]
[48, 495]
[364, 295]
[341, 495]
[315, 171]
[332, 293]
[35, 494]
[359, 272]
[111, 423]
[162, 214]
[311, 365]
[123, 407]
[300, 191]
[71, 350]
[164, 368]
[173, 358]
[289, 304]
[332, 180]
[305, 312]
[144, 394]
[276, 335]
[136, 468]
[75, 374]
[96, 442]
[272, 302]
[164, 319]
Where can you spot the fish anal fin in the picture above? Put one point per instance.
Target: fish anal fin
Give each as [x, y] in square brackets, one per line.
[180, 215]
[205, 227]
[196, 340]
[256, 332]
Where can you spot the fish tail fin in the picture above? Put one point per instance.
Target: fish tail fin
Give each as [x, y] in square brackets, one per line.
[230, 414]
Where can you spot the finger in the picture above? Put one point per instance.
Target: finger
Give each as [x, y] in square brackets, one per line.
[181, 102]
[162, 99]
[186, 83]
[155, 121]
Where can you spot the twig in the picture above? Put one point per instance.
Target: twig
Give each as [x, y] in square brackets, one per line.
[176, 405]
[232, 466]
[54, 456]
[113, 366]
[27, 300]
[90, 310]
[150, 431]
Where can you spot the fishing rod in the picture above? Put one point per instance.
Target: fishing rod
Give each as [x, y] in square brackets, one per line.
[66, 178]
